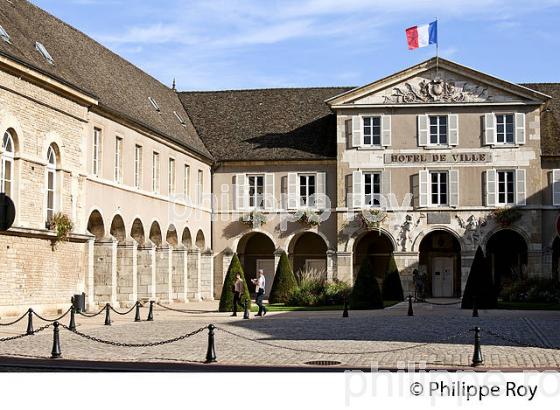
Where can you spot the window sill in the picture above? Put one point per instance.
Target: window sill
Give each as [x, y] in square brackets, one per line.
[372, 148]
[439, 147]
[503, 146]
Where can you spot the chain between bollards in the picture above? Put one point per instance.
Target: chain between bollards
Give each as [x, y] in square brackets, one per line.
[107, 315]
[474, 307]
[72, 325]
[245, 309]
[137, 317]
[477, 359]
[55, 352]
[211, 352]
[345, 311]
[410, 311]
[29, 322]
[151, 312]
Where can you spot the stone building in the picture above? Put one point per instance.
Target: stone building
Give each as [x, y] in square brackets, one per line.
[163, 187]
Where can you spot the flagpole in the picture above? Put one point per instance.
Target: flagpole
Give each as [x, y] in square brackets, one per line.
[437, 50]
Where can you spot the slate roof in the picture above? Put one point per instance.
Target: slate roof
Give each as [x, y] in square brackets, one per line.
[550, 118]
[80, 61]
[266, 124]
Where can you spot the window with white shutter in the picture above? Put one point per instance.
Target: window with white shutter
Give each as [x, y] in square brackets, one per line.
[489, 129]
[386, 189]
[453, 188]
[453, 121]
[556, 187]
[520, 187]
[240, 192]
[321, 190]
[356, 131]
[520, 128]
[422, 130]
[357, 194]
[269, 194]
[423, 188]
[491, 187]
[292, 190]
[386, 130]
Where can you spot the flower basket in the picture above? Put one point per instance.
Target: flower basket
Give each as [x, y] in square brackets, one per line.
[506, 216]
[62, 225]
[308, 217]
[253, 219]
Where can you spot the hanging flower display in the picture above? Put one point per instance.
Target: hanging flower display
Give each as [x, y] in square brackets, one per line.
[506, 216]
[254, 219]
[308, 217]
[371, 218]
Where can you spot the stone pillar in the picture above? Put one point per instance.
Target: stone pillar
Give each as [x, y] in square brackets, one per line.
[331, 267]
[534, 262]
[467, 259]
[193, 281]
[91, 275]
[126, 273]
[105, 271]
[345, 267]
[406, 263]
[179, 274]
[146, 265]
[163, 273]
[207, 274]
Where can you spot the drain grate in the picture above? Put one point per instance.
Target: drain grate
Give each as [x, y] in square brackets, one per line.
[323, 363]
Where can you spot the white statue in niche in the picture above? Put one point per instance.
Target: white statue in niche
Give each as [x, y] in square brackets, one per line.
[472, 227]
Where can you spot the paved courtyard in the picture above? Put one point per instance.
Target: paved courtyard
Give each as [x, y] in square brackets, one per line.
[436, 336]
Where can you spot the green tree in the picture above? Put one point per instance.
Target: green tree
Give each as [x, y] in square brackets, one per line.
[479, 285]
[284, 281]
[366, 293]
[226, 299]
[392, 286]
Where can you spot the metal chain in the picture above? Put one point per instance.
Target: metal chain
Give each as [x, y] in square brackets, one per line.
[121, 344]
[7, 339]
[122, 313]
[194, 312]
[518, 342]
[15, 321]
[52, 320]
[417, 300]
[339, 353]
[94, 314]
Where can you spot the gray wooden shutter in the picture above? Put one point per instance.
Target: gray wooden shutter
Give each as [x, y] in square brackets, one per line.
[357, 140]
[519, 128]
[453, 188]
[386, 189]
[491, 187]
[520, 187]
[489, 129]
[320, 190]
[556, 187]
[386, 130]
[241, 198]
[453, 121]
[357, 190]
[422, 130]
[293, 197]
[423, 182]
[269, 194]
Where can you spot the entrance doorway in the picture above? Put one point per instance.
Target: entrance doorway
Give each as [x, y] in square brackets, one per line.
[440, 259]
[507, 252]
[256, 251]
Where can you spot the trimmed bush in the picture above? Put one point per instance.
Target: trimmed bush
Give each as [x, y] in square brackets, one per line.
[392, 286]
[532, 290]
[479, 285]
[226, 299]
[366, 293]
[284, 281]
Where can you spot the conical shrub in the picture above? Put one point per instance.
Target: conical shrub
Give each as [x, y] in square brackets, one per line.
[392, 286]
[479, 285]
[284, 281]
[366, 293]
[226, 299]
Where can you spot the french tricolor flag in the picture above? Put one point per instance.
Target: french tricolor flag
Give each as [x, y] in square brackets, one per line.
[421, 36]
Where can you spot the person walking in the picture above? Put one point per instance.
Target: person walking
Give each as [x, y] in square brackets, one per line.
[260, 286]
[238, 290]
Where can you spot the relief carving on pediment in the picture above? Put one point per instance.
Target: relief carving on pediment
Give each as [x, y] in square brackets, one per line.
[438, 90]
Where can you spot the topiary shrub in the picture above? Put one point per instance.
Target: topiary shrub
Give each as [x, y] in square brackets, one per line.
[366, 293]
[284, 281]
[226, 299]
[392, 286]
[479, 285]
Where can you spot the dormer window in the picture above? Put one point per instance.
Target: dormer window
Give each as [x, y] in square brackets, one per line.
[41, 49]
[181, 120]
[4, 35]
[154, 104]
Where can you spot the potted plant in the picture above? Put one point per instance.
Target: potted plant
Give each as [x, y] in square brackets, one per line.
[308, 217]
[254, 219]
[62, 225]
[506, 216]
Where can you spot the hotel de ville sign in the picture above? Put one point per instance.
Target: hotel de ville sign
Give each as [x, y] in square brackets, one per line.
[425, 158]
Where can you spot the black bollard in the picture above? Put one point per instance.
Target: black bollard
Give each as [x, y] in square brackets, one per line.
[107, 315]
[211, 352]
[151, 312]
[410, 311]
[137, 315]
[30, 330]
[72, 325]
[56, 353]
[474, 307]
[345, 311]
[246, 310]
[477, 359]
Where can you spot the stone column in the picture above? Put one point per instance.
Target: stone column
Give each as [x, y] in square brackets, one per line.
[126, 272]
[207, 274]
[163, 273]
[467, 259]
[345, 267]
[91, 275]
[146, 257]
[193, 266]
[179, 274]
[227, 256]
[105, 271]
[331, 268]
[406, 263]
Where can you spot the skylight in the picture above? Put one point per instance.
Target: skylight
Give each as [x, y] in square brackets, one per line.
[4, 34]
[154, 104]
[41, 49]
[181, 120]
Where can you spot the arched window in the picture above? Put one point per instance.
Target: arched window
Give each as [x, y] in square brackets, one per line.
[51, 182]
[7, 169]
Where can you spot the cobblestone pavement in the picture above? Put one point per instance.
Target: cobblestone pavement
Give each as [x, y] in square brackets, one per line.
[436, 336]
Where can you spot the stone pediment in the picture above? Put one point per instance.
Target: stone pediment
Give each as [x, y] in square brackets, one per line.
[443, 87]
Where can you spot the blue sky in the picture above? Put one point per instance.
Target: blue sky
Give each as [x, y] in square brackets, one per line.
[232, 44]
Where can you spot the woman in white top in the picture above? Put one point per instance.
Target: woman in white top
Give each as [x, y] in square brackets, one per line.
[260, 286]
